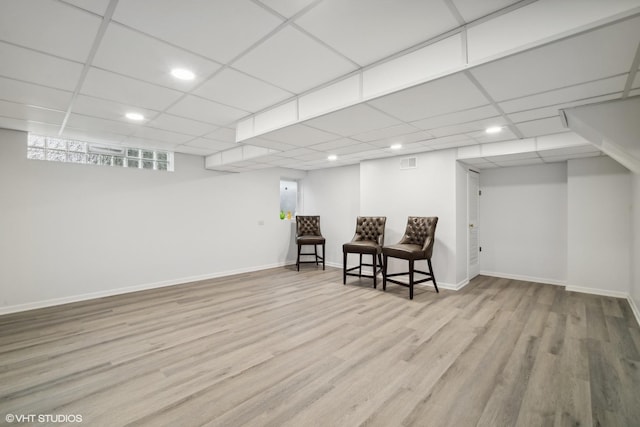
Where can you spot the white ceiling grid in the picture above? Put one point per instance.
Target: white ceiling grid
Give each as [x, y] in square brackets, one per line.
[249, 55]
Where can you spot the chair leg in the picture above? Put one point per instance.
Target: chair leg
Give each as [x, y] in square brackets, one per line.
[360, 268]
[344, 268]
[411, 279]
[374, 271]
[384, 274]
[315, 251]
[298, 260]
[323, 256]
[432, 276]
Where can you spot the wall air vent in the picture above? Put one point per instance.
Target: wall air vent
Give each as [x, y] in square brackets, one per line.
[409, 163]
[101, 149]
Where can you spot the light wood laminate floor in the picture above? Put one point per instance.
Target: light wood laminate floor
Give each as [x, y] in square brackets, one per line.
[286, 348]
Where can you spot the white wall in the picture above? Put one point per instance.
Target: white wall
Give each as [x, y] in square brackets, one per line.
[635, 249]
[428, 190]
[334, 194]
[523, 222]
[70, 232]
[600, 225]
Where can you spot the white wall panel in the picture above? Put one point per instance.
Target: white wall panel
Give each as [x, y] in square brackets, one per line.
[523, 222]
[599, 238]
[73, 231]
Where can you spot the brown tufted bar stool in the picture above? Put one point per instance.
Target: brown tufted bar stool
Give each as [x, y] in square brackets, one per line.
[416, 244]
[368, 239]
[308, 233]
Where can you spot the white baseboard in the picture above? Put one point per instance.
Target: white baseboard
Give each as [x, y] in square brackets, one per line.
[136, 288]
[601, 292]
[524, 278]
[634, 308]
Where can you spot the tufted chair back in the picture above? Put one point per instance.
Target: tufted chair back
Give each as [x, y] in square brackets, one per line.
[370, 228]
[421, 231]
[308, 226]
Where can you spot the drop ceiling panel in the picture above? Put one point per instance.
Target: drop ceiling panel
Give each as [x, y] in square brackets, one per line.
[125, 90]
[161, 135]
[442, 96]
[25, 112]
[293, 61]
[402, 139]
[96, 107]
[542, 127]
[403, 27]
[636, 81]
[463, 116]
[182, 125]
[300, 135]
[353, 120]
[28, 126]
[468, 127]
[561, 64]
[474, 9]
[34, 95]
[223, 134]
[29, 23]
[287, 8]
[28, 65]
[133, 141]
[483, 137]
[206, 111]
[92, 135]
[93, 123]
[567, 94]
[149, 59]
[564, 158]
[391, 131]
[217, 29]
[553, 110]
[95, 6]
[343, 146]
[209, 144]
[241, 91]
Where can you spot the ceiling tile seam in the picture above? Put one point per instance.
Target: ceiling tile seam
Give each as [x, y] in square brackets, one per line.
[87, 65]
[455, 12]
[497, 13]
[457, 123]
[564, 87]
[392, 116]
[558, 104]
[632, 73]
[41, 52]
[326, 45]
[39, 122]
[75, 6]
[36, 84]
[489, 98]
[38, 107]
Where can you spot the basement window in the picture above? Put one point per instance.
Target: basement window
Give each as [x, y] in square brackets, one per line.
[72, 151]
[288, 199]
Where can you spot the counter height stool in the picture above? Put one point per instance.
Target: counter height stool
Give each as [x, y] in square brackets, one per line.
[308, 233]
[368, 240]
[416, 244]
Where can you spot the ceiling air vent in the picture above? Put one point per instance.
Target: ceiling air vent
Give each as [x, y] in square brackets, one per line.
[409, 163]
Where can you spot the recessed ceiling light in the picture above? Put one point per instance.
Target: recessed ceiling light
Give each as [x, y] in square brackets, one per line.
[332, 157]
[183, 74]
[396, 146]
[135, 116]
[494, 129]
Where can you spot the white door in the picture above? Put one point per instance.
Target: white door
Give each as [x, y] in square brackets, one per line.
[473, 194]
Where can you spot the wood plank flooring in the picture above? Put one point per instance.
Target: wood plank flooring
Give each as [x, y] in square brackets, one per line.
[286, 348]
